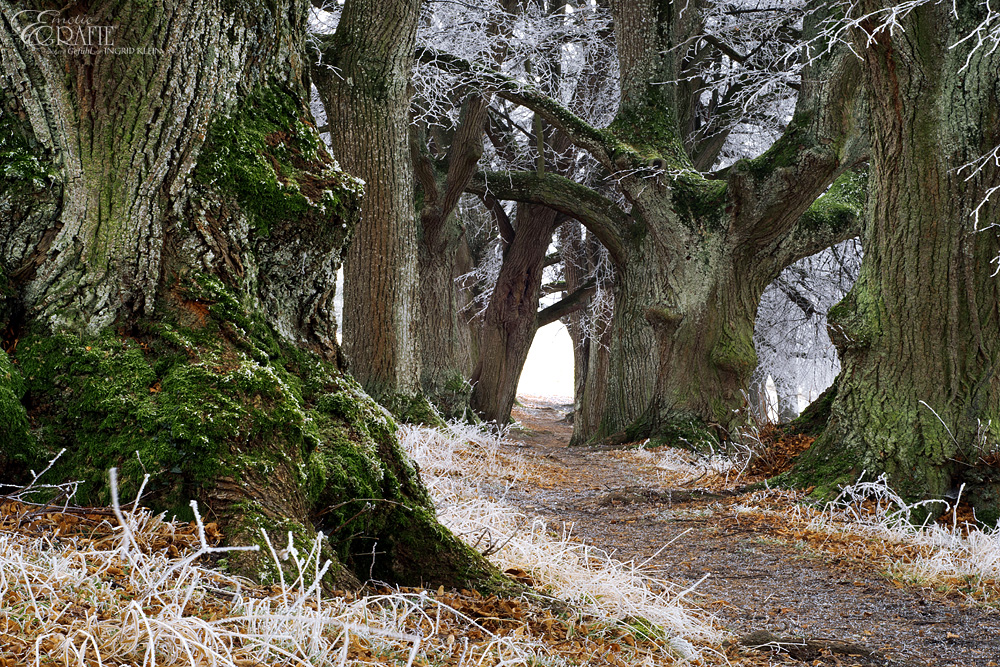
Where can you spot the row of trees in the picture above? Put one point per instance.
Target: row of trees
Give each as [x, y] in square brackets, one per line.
[172, 226]
[689, 239]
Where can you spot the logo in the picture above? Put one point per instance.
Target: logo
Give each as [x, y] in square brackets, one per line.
[76, 35]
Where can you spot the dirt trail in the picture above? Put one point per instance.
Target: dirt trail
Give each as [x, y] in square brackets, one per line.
[757, 581]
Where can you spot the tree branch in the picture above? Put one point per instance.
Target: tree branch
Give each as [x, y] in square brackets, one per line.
[567, 305]
[465, 151]
[795, 296]
[602, 144]
[500, 216]
[609, 223]
[834, 217]
[769, 195]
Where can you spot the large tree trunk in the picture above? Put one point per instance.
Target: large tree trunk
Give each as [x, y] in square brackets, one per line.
[363, 79]
[511, 318]
[919, 334]
[170, 235]
[687, 286]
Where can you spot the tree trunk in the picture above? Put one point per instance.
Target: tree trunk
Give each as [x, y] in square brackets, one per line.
[511, 318]
[587, 419]
[363, 81]
[172, 227]
[919, 392]
[576, 269]
[446, 345]
[681, 350]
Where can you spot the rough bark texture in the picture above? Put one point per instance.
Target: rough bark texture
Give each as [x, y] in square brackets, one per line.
[446, 346]
[170, 235]
[511, 318]
[363, 80]
[919, 393]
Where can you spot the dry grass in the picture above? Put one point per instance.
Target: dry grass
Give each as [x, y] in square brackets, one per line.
[607, 590]
[97, 587]
[111, 587]
[868, 522]
[873, 526]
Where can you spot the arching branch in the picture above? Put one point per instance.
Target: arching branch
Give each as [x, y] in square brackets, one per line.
[834, 217]
[608, 222]
[605, 148]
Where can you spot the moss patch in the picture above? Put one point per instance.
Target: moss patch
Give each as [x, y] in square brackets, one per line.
[262, 434]
[650, 128]
[839, 208]
[700, 202]
[171, 404]
[18, 450]
[674, 430]
[266, 155]
[24, 168]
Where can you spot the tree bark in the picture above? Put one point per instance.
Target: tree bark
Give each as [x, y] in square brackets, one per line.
[511, 318]
[363, 79]
[575, 269]
[692, 255]
[171, 231]
[919, 392]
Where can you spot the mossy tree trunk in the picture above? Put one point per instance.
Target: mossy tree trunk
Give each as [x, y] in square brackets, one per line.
[172, 228]
[919, 392]
[692, 255]
[363, 80]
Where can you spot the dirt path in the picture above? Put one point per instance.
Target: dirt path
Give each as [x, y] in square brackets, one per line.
[758, 581]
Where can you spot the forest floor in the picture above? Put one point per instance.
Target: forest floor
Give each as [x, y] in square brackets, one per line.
[769, 575]
[637, 557]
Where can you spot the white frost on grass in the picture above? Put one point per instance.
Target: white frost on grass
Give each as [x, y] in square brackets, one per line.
[682, 467]
[461, 467]
[949, 550]
[115, 600]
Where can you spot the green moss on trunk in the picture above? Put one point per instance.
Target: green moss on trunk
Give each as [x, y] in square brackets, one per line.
[270, 158]
[19, 449]
[262, 434]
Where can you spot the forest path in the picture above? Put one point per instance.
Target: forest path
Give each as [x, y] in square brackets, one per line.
[758, 580]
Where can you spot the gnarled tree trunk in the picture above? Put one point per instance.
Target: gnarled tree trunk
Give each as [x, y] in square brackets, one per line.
[170, 234]
[919, 392]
